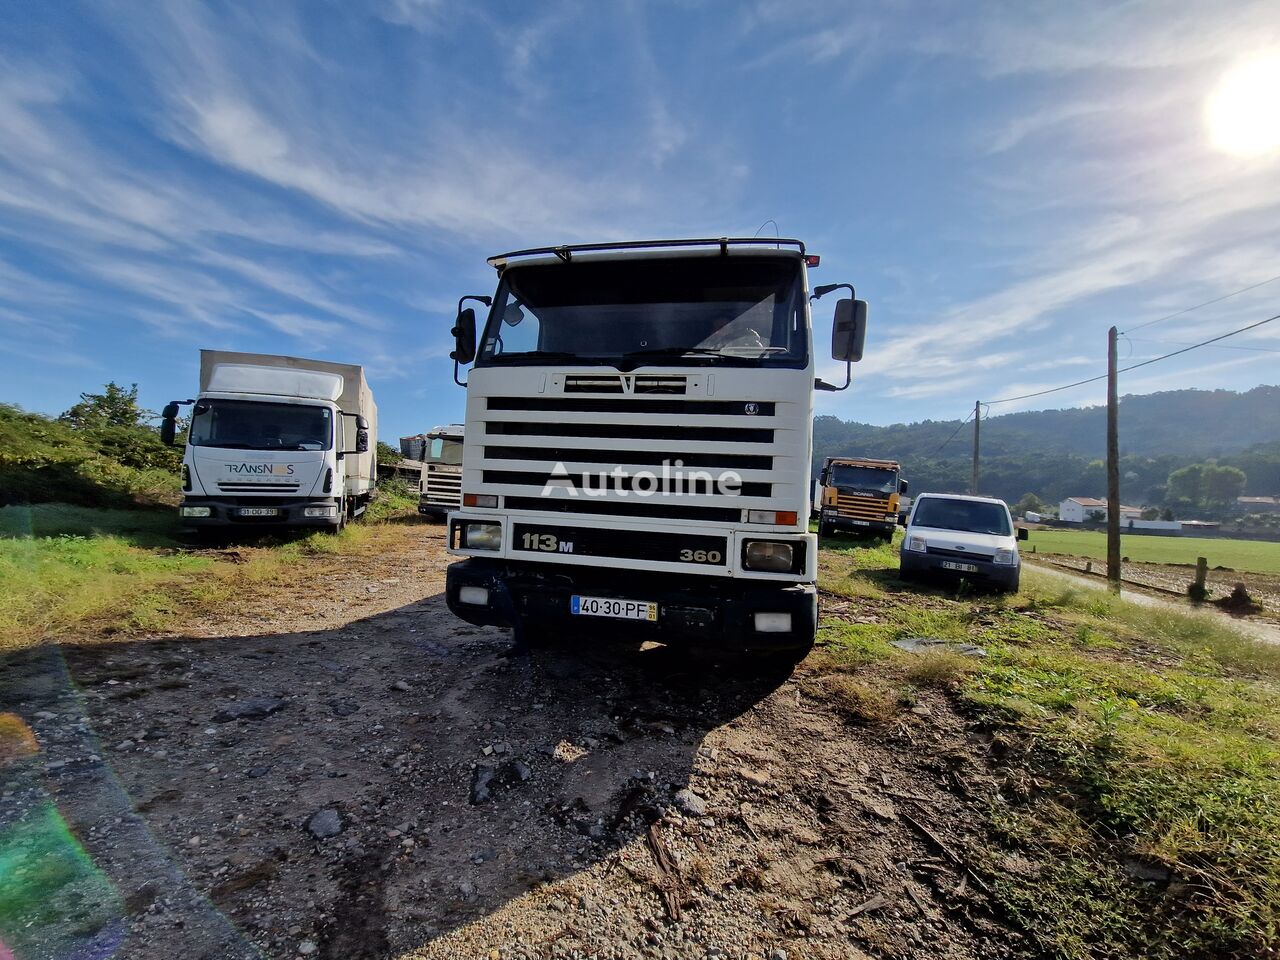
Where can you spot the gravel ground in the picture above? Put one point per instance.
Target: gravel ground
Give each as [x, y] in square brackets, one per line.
[338, 768]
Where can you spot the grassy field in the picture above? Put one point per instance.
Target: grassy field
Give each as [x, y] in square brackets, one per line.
[67, 570]
[1128, 736]
[1249, 556]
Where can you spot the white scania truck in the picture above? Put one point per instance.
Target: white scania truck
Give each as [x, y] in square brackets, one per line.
[276, 441]
[440, 489]
[638, 440]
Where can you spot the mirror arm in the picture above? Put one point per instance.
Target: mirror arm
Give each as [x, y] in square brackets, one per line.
[488, 302]
[822, 291]
[820, 384]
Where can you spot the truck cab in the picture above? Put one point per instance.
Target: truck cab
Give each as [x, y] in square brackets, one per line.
[860, 496]
[638, 440]
[274, 441]
[440, 489]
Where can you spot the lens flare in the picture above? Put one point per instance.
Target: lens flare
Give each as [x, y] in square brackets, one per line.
[1243, 111]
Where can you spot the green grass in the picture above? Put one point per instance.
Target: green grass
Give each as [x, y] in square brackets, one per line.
[1152, 736]
[70, 571]
[1248, 556]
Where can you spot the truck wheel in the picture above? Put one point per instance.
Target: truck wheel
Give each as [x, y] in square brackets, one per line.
[824, 531]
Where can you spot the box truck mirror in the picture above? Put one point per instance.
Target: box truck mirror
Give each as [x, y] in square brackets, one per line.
[362, 422]
[464, 336]
[168, 429]
[362, 441]
[849, 331]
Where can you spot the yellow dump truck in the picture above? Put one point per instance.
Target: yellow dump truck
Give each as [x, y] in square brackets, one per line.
[860, 496]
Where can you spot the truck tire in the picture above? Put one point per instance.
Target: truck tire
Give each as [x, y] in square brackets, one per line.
[824, 531]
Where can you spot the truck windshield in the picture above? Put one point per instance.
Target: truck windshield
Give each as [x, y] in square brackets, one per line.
[745, 311]
[254, 425]
[444, 451]
[971, 516]
[863, 478]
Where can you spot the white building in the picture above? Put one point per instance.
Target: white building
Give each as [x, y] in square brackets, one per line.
[1082, 509]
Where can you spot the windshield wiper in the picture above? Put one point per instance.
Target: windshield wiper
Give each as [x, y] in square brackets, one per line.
[542, 355]
[675, 352]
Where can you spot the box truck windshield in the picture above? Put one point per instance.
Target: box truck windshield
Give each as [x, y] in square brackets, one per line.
[740, 311]
[442, 450]
[254, 425]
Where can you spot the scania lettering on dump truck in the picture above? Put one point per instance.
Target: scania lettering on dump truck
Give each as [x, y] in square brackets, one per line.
[440, 489]
[275, 441]
[860, 496]
[638, 441]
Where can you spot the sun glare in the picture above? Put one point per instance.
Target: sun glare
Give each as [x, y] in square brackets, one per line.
[1243, 112]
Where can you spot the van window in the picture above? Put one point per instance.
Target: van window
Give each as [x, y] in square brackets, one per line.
[967, 515]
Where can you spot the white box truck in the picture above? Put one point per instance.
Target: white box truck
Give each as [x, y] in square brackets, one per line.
[440, 489]
[276, 441]
[638, 442]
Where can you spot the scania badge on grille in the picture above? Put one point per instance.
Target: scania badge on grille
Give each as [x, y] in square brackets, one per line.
[752, 409]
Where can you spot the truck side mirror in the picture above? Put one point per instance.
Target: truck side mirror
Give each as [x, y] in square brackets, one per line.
[849, 330]
[169, 424]
[903, 486]
[464, 336]
[362, 422]
[362, 440]
[1024, 533]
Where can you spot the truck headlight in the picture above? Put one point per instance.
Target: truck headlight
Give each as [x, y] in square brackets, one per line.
[195, 512]
[1006, 557]
[482, 536]
[329, 511]
[768, 555]
[916, 544]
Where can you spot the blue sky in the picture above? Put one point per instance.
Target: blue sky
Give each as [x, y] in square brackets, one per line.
[1001, 181]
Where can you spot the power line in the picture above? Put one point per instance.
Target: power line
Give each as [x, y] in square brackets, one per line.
[950, 438]
[1183, 343]
[1202, 343]
[1207, 303]
[1135, 366]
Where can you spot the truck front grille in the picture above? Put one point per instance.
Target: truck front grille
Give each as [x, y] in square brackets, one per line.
[442, 489]
[861, 508]
[258, 487]
[516, 451]
[549, 539]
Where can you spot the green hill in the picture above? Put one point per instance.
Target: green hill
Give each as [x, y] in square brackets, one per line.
[1057, 453]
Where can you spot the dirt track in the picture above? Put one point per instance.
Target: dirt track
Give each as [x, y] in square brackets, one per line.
[801, 835]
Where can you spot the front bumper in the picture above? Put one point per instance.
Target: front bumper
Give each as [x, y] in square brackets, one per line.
[834, 521]
[699, 611]
[437, 510]
[224, 512]
[1004, 575]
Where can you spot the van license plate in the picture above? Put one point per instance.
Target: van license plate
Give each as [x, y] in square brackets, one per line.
[611, 607]
[258, 511]
[962, 567]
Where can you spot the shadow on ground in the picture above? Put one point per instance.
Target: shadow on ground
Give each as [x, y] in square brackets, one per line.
[159, 795]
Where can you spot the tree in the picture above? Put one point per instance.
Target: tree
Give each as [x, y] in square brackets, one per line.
[1151, 513]
[1030, 502]
[1187, 484]
[1167, 514]
[114, 407]
[1222, 485]
[388, 456]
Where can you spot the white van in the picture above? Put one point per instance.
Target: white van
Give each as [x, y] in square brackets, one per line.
[972, 537]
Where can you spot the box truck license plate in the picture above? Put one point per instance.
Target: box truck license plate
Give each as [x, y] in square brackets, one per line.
[962, 567]
[610, 607]
[258, 511]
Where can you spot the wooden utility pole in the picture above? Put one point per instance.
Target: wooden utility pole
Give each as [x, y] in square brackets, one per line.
[1113, 467]
[977, 418]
